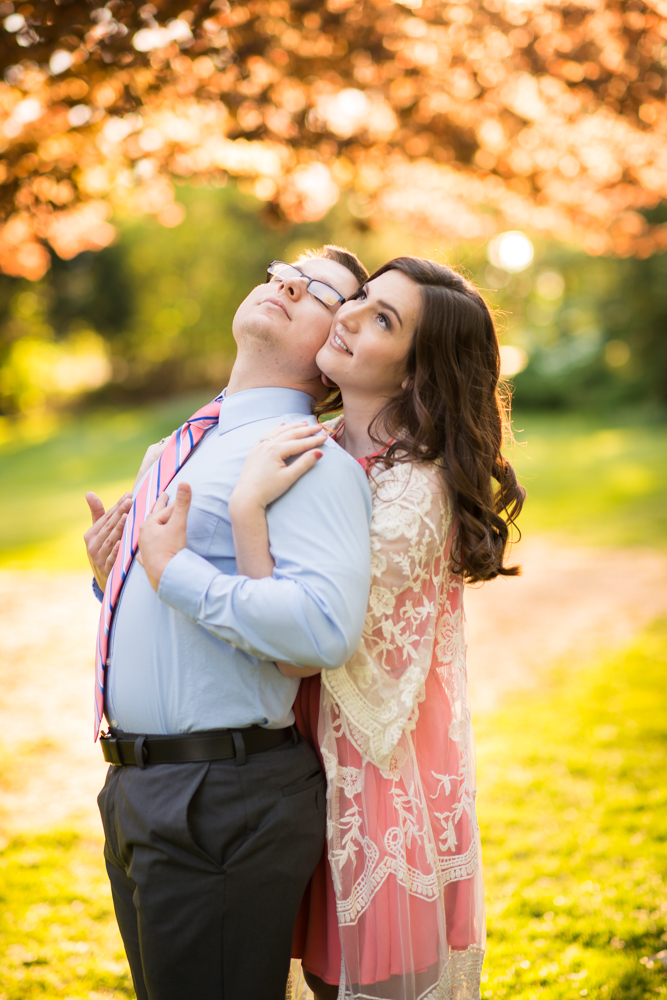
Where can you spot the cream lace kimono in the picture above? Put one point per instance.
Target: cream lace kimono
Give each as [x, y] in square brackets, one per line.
[395, 735]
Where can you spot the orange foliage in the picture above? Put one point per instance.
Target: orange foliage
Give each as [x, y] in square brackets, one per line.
[459, 118]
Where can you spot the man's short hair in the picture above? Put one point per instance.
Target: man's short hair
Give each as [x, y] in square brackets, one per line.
[341, 256]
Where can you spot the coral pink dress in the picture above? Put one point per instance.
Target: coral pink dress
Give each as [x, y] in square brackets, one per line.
[396, 911]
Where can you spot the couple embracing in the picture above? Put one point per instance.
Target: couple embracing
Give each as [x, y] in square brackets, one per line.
[281, 652]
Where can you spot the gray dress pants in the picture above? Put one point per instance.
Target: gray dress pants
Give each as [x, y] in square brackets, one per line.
[208, 863]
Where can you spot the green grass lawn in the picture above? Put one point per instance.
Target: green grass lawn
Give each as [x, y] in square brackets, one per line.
[572, 806]
[58, 933]
[574, 830]
[45, 471]
[593, 480]
[588, 480]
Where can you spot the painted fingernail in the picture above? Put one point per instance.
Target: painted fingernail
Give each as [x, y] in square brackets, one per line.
[318, 454]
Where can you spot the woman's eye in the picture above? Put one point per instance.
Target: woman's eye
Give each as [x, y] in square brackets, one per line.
[384, 321]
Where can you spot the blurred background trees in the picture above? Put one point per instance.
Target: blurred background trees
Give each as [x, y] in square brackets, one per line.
[463, 117]
[151, 315]
[154, 158]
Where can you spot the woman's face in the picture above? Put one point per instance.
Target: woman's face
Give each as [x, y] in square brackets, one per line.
[371, 336]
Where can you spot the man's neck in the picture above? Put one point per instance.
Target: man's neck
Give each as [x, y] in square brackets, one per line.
[255, 373]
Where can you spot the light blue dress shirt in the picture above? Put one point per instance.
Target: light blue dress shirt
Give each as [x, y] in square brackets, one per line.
[199, 654]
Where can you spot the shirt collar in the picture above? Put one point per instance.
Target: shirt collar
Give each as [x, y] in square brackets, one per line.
[251, 405]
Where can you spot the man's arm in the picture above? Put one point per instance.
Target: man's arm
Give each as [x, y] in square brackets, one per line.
[312, 611]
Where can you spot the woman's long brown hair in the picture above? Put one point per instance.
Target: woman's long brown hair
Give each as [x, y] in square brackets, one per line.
[451, 410]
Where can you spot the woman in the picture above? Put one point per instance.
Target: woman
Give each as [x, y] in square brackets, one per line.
[416, 358]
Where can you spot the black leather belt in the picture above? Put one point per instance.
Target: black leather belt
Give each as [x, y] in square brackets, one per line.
[187, 748]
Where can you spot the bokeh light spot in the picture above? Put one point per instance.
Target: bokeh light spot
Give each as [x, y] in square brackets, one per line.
[512, 360]
[616, 353]
[78, 115]
[550, 285]
[60, 61]
[512, 251]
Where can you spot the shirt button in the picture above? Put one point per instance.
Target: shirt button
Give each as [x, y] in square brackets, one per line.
[108, 663]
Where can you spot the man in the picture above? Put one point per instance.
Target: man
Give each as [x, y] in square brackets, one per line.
[209, 850]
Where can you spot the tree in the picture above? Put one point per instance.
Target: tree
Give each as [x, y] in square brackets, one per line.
[459, 118]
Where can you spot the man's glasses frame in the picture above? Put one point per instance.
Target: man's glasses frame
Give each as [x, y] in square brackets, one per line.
[323, 292]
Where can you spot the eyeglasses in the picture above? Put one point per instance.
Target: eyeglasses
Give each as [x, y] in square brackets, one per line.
[326, 294]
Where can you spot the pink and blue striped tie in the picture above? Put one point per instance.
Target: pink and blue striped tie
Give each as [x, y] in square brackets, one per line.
[178, 449]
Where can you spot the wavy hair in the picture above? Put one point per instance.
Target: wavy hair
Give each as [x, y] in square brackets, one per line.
[453, 410]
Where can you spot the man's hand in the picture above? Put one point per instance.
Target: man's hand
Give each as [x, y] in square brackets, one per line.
[103, 539]
[164, 533]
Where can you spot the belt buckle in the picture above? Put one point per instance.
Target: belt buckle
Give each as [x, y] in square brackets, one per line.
[110, 750]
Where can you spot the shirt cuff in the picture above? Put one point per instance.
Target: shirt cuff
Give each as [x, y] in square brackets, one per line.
[97, 590]
[185, 580]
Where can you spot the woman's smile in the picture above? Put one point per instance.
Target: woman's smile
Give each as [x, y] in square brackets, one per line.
[338, 343]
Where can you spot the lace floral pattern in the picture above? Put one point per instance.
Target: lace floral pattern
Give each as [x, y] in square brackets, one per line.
[397, 745]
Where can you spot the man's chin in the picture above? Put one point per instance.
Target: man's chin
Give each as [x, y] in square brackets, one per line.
[259, 328]
[327, 382]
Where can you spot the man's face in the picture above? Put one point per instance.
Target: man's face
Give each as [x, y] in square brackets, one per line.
[284, 319]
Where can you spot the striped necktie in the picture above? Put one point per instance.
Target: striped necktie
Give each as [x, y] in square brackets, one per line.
[156, 480]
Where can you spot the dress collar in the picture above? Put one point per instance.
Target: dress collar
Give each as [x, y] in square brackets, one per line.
[251, 405]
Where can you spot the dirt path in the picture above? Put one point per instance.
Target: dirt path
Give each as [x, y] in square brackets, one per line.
[569, 602]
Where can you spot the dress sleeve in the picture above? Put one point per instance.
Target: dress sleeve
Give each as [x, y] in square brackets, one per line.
[379, 689]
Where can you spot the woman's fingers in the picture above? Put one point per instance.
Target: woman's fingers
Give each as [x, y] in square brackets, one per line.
[96, 506]
[298, 445]
[265, 475]
[292, 439]
[299, 467]
[289, 432]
